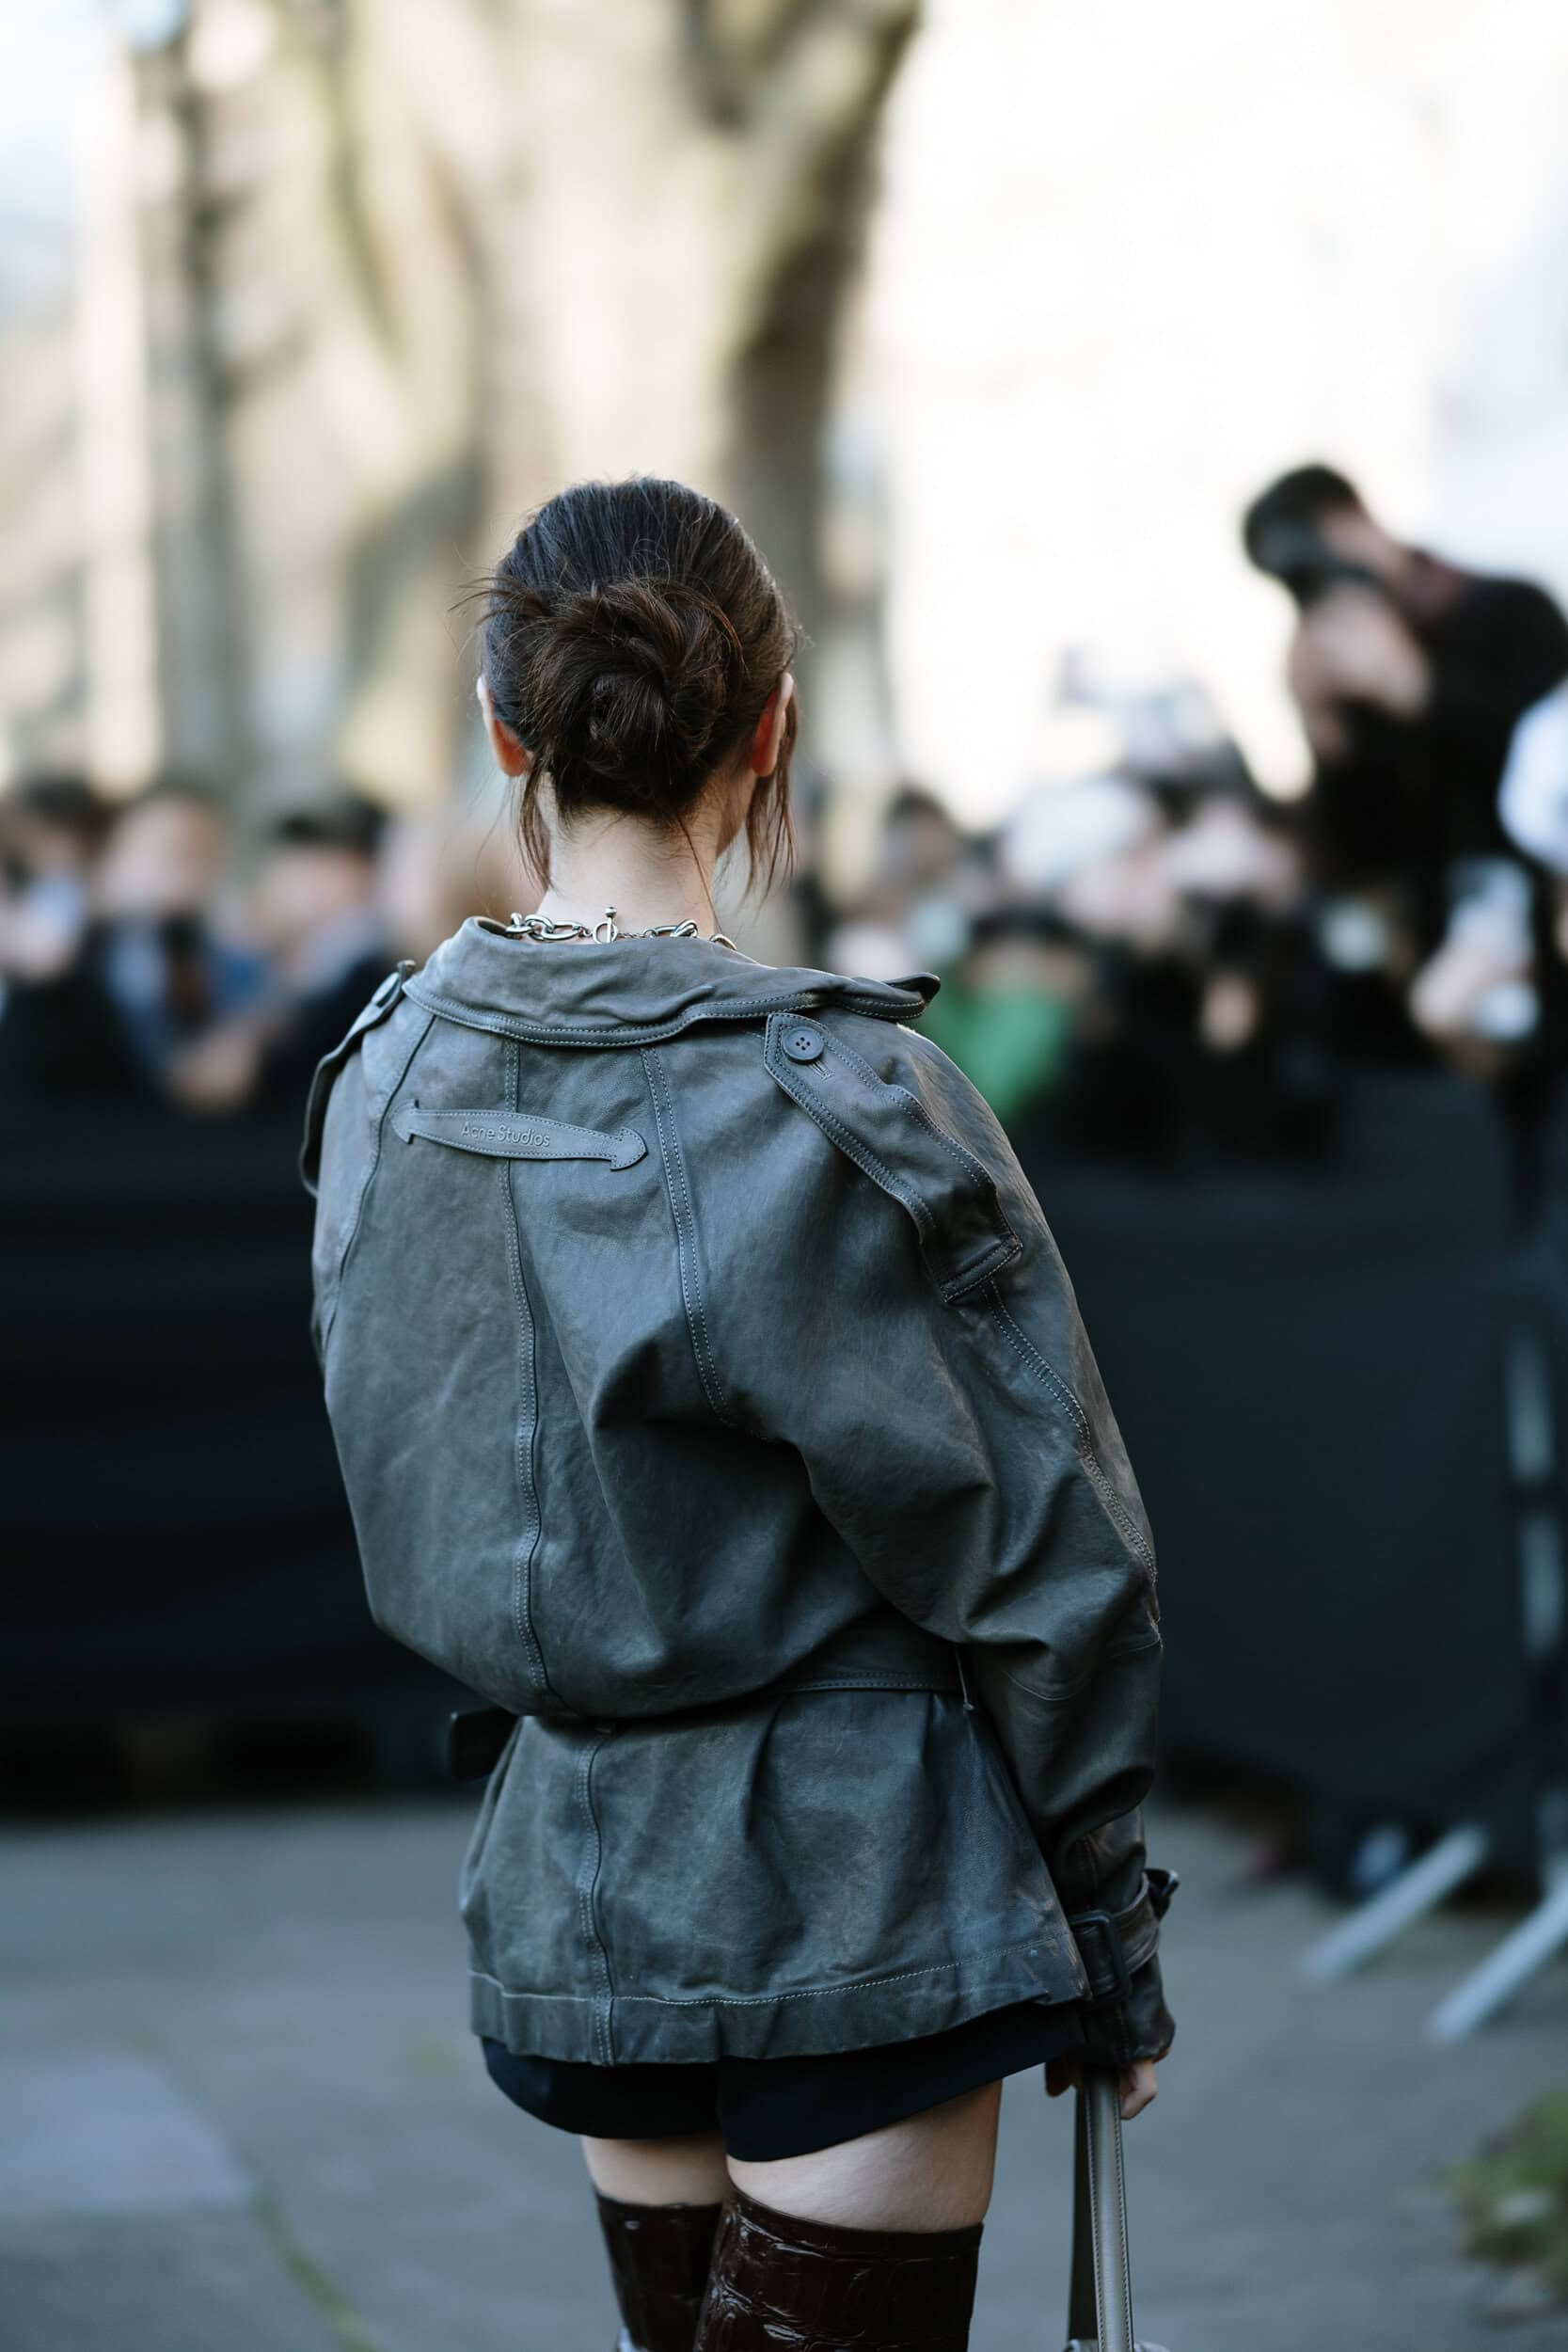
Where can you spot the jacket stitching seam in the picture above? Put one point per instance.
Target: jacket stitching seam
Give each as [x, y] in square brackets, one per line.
[1033, 1361]
[527, 1456]
[686, 1234]
[805, 1992]
[914, 1108]
[873, 1682]
[353, 1233]
[522, 1612]
[1002, 1251]
[587, 1888]
[855, 1148]
[526, 1464]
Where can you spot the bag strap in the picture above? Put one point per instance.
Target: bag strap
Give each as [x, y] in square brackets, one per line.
[1100, 2300]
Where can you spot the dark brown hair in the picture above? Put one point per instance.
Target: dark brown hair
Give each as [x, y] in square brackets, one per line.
[632, 634]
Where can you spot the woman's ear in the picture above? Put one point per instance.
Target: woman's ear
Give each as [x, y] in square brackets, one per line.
[768, 738]
[512, 758]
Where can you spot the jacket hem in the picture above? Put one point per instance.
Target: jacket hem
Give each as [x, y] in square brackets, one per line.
[645, 2030]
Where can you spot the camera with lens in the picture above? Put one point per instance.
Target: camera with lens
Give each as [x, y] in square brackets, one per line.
[1305, 564]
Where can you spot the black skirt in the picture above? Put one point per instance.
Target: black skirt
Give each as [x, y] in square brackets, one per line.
[767, 2109]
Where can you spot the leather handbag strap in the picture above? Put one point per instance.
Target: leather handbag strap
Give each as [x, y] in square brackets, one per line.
[1100, 2300]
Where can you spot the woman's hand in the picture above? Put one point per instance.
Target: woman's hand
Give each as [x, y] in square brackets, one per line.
[1136, 2083]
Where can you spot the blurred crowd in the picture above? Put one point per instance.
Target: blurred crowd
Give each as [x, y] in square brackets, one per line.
[1160, 959]
[1155, 958]
[135, 962]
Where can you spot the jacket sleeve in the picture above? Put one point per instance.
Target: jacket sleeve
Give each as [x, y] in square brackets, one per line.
[928, 1363]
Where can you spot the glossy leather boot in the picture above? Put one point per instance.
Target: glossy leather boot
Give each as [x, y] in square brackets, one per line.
[658, 2262]
[778, 2284]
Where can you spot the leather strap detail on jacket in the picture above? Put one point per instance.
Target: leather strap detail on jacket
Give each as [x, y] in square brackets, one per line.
[1113, 1945]
[518, 1136]
[382, 1003]
[882, 1652]
[946, 1191]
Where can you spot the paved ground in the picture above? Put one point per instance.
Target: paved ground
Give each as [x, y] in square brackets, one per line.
[239, 2112]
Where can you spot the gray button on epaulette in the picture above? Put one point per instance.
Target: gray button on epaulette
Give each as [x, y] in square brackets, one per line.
[803, 1045]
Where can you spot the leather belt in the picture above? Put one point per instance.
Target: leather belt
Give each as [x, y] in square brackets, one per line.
[881, 1651]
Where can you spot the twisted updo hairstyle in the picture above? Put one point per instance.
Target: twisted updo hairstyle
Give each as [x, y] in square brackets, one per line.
[632, 635]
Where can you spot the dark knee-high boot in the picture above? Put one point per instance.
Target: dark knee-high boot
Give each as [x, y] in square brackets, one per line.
[778, 2281]
[658, 2260]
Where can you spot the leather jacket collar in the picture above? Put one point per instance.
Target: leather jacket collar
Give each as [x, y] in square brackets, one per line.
[628, 992]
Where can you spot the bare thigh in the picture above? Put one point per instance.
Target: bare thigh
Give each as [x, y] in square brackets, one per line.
[932, 2171]
[659, 2171]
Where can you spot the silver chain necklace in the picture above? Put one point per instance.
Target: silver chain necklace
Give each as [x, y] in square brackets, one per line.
[607, 929]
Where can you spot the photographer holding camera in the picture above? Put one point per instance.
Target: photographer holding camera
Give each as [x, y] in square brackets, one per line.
[1410, 676]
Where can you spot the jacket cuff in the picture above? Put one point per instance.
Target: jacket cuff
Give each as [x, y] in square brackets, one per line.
[1141, 2026]
[1125, 2015]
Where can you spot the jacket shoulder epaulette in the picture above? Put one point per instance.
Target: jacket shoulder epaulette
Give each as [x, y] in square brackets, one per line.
[890, 1132]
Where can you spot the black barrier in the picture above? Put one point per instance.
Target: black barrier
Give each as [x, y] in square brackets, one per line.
[1542, 1286]
[174, 1525]
[1309, 1367]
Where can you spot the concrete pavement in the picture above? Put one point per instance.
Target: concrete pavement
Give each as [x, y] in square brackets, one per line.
[240, 2112]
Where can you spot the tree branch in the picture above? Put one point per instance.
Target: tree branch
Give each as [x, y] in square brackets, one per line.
[809, 124]
[733, 45]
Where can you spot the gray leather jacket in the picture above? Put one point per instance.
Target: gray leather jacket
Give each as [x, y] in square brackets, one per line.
[710, 1395]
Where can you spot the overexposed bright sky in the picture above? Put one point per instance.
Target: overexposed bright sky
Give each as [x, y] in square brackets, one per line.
[41, 52]
[44, 49]
[1131, 260]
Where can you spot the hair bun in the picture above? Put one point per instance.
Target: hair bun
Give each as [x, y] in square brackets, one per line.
[632, 637]
[666, 667]
[625, 686]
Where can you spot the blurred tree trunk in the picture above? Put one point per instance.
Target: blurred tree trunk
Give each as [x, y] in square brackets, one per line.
[462, 251]
[203, 687]
[699, 174]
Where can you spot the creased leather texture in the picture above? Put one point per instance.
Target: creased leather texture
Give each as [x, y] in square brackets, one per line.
[780, 2285]
[711, 1465]
[658, 2266]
